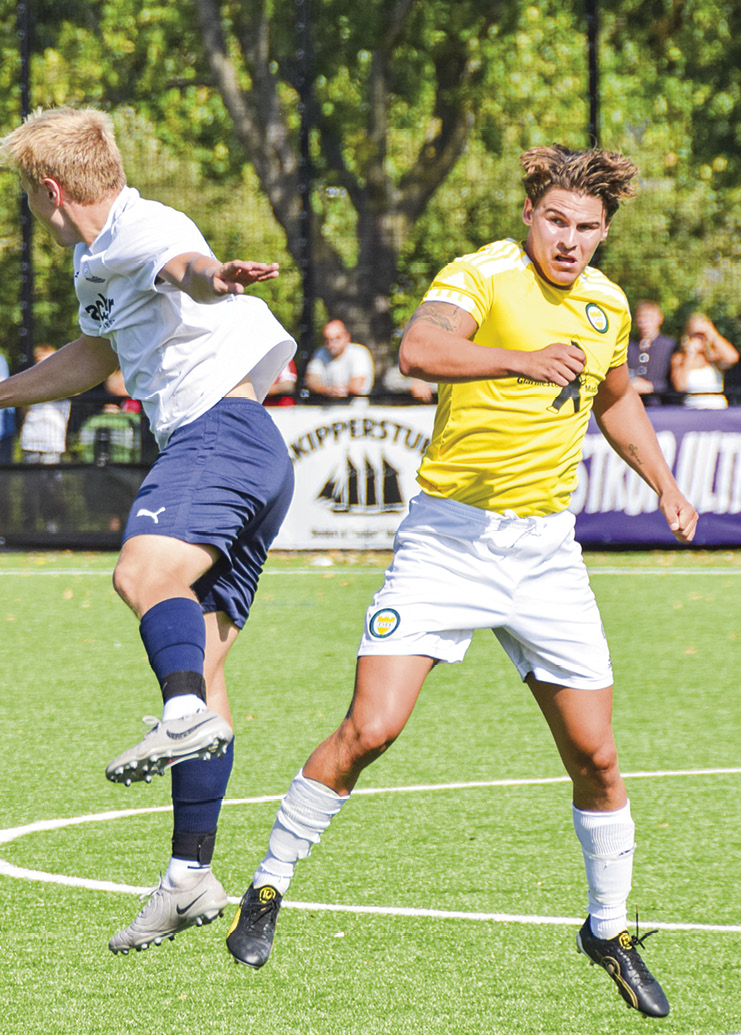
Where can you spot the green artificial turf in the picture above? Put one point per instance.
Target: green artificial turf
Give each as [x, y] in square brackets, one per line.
[76, 683]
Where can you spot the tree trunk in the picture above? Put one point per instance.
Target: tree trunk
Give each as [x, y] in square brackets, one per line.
[386, 209]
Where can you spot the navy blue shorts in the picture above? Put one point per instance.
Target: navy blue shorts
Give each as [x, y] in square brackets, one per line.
[225, 480]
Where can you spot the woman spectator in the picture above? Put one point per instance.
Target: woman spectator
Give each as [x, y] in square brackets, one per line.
[699, 363]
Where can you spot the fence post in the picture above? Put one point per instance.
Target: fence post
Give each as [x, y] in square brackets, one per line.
[306, 262]
[24, 28]
[593, 57]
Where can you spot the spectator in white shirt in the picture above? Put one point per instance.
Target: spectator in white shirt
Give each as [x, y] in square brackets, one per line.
[44, 431]
[340, 368]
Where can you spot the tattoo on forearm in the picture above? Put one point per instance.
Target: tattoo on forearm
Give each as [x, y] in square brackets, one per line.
[442, 314]
[633, 450]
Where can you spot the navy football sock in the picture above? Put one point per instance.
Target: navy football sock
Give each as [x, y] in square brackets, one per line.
[174, 636]
[198, 788]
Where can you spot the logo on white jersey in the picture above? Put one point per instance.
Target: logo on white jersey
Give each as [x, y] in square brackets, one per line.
[101, 309]
[154, 514]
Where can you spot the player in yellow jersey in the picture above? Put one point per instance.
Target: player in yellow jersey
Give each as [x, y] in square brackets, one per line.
[524, 341]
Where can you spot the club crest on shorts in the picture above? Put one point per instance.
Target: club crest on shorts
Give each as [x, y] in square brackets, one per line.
[384, 622]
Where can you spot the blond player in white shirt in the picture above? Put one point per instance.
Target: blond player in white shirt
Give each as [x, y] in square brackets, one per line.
[200, 355]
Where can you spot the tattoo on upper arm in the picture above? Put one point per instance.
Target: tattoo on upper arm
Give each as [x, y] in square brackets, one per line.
[445, 315]
[633, 450]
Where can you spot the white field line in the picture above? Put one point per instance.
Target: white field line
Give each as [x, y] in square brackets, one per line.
[26, 574]
[663, 571]
[13, 833]
[341, 570]
[8, 870]
[592, 571]
[500, 918]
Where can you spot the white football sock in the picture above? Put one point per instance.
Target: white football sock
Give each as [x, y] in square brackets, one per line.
[181, 705]
[608, 842]
[303, 816]
[179, 871]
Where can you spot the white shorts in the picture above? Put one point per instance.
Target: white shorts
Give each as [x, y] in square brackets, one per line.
[458, 568]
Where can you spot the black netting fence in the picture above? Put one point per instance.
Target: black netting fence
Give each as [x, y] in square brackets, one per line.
[361, 140]
[66, 505]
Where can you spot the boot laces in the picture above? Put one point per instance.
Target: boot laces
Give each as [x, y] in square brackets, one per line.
[637, 939]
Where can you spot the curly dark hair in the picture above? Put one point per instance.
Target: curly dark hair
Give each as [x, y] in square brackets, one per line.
[601, 174]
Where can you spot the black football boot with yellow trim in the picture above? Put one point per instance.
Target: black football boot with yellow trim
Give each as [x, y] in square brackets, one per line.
[250, 937]
[618, 955]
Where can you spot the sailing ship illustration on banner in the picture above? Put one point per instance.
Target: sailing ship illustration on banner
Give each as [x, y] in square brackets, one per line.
[363, 488]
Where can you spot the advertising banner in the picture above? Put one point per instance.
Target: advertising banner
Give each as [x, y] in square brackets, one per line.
[614, 506]
[356, 467]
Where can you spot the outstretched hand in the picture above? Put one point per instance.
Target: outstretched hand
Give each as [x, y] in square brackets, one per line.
[231, 278]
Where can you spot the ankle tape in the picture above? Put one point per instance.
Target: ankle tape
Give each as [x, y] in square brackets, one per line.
[199, 847]
[178, 683]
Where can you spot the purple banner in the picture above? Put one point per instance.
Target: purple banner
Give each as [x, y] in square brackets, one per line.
[613, 506]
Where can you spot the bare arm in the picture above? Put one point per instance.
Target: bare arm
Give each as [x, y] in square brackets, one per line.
[718, 349]
[207, 280]
[356, 385]
[436, 346]
[623, 421]
[286, 387]
[421, 390]
[80, 365]
[722, 353]
[680, 368]
[315, 385]
[642, 385]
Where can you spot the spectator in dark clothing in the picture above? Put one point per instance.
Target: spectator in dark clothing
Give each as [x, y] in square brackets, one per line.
[649, 357]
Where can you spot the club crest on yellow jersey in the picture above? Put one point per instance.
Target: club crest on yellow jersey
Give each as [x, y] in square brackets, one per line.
[597, 317]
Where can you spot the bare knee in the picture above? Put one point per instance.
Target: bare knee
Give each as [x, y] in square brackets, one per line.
[140, 583]
[361, 743]
[155, 568]
[602, 768]
[125, 582]
[597, 780]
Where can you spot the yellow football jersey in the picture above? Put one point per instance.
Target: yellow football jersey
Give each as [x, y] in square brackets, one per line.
[509, 443]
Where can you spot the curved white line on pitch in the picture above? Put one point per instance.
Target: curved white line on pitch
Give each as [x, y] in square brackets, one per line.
[663, 571]
[342, 570]
[13, 833]
[503, 918]
[323, 907]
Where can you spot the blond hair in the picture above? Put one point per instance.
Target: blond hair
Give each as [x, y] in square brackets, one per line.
[601, 174]
[77, 148]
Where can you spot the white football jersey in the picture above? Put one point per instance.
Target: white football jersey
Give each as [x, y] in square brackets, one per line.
[179, 357]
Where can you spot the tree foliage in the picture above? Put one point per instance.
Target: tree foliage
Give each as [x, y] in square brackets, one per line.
[419, 113]
[672, 76]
